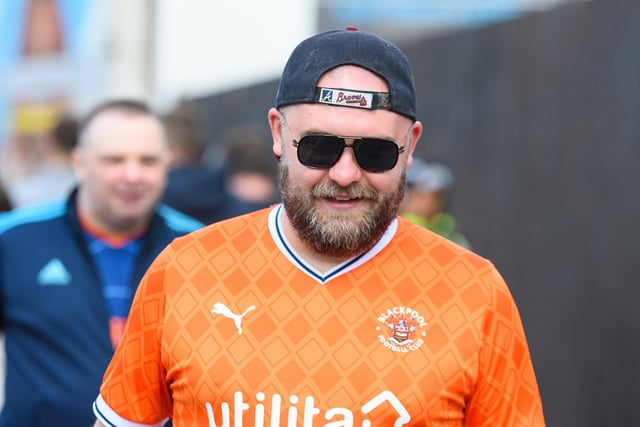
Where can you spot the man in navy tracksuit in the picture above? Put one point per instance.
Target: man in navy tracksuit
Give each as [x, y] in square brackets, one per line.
[69, 269]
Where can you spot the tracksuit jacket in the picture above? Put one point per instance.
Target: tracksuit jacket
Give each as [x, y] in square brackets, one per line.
[53, 314]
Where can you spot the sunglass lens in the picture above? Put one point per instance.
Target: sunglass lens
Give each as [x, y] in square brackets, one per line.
[376, 155]
[320, 151]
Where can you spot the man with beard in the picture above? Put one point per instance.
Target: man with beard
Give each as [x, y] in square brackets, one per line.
[327, 309]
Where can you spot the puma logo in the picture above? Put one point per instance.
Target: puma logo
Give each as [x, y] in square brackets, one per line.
[220, 308]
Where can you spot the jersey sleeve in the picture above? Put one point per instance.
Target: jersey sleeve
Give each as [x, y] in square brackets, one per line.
[507, 390]
[134, 391]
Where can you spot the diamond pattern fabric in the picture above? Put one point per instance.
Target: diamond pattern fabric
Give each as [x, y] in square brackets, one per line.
[227, 331]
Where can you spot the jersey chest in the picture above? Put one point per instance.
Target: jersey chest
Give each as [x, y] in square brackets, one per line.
[346, 352]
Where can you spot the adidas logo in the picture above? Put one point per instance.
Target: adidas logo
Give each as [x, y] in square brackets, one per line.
[54, 273]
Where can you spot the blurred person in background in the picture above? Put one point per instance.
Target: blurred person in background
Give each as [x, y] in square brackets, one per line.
[69, 269]
[195, 188]
[427, 199]
[326, 309]
[250, 172]
[5, 202]
[53, 177]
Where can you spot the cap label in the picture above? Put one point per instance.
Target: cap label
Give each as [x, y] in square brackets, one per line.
[346, 98]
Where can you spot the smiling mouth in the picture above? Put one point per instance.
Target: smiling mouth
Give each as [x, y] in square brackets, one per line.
[343, 199]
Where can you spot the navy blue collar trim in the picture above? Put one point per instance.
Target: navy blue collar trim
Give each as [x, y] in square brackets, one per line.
[321, 278]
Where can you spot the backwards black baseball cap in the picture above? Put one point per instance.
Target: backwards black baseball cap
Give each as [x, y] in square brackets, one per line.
[320, 53]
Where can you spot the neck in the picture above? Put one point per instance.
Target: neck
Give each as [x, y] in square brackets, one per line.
[99, 230]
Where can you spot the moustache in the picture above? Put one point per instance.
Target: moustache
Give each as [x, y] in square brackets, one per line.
[353, 191]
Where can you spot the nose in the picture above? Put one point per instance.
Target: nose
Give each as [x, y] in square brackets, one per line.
[346, 171]
[132, 171]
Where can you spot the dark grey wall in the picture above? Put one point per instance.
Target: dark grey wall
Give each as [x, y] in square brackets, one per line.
[540, 119]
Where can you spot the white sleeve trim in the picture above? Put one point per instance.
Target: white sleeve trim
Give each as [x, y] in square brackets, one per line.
[110, 418]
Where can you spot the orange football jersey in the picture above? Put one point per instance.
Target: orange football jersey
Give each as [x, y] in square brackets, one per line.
[231, 328]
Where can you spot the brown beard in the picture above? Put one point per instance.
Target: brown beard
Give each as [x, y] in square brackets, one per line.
[336, 234]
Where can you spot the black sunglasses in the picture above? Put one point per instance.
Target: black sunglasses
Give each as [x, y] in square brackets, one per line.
[324, 151]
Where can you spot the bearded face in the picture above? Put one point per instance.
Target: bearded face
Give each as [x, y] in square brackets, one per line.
[338, 233]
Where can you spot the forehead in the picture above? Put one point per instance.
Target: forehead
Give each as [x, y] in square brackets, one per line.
[338, 120]
[118, 130]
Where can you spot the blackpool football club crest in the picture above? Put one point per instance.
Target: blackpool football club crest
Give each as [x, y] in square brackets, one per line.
[401, 329]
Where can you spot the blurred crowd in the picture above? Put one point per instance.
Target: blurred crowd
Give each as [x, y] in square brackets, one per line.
[243, 180]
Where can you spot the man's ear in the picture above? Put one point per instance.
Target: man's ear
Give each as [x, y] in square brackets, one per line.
[77, 163]
[412, 140]
[275, 124]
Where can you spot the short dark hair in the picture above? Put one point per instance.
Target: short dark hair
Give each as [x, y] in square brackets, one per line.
[65, 132]
[185, 131]
[5, 201]
[248, 149]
